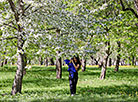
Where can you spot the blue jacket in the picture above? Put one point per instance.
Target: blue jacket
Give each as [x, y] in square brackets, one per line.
[71, 68]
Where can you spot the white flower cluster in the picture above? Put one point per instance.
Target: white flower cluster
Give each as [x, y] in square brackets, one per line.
[103, 6]
[2, 0]
[20, 51]
[28, 67]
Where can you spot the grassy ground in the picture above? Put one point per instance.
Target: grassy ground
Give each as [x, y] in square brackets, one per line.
[40, 84]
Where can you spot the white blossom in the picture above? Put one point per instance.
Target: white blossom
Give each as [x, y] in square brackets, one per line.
[28, 67]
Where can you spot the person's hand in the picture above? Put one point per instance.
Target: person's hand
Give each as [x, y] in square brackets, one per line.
[71, 60]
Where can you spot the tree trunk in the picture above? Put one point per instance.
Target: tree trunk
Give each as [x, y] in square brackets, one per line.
[117, 63]
[40, 60]
[122, 62]
[18, 14]
[92, 62]
[5, 61]
[83, 64]
[58, 59]
[1, 63]
[25, 63]
[17, 84]
[136, 5]
[100, 64]
[46, 61]
[104, 67]
[136, 61]
[58, 67]
[110, 62]
[114, 62]
[118, 57]
[96, 61]
[133, 60]
[12, 62]
[29, 61]
[21, 63]
[105, 60]
[52, 61]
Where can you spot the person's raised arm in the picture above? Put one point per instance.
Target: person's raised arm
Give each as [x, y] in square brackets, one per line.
[76, 66]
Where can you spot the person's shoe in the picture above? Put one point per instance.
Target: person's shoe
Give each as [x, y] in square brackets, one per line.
[72, 94]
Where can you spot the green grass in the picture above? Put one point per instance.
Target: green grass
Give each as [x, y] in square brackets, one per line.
[40, 84]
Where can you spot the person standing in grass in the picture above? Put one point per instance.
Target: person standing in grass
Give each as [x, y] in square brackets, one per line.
[74, 65]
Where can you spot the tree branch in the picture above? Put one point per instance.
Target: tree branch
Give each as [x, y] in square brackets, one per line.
[21, 5]
[128, 9]
[34, 10]
[37, 9]
[10, 25]
[12, 5]
[27, 7]
[10, 38]
[51, 28]
[136, 4]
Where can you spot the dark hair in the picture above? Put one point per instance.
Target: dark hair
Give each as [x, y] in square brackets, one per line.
[78, 60]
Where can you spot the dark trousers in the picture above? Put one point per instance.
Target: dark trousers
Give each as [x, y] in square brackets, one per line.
[73, 82]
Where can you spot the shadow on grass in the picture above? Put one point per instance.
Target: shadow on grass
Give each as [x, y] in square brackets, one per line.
[93, 68]
[120, 93]
[8, 69]
[46, 82]
[91, 94]
[5, 83]
[45, 77]
[110, 72]
[90, 73]
[123, 73]
[121, 89]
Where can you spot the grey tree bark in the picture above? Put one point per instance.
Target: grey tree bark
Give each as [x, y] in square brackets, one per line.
[104, 67]
[83, 62]
[58, 67]
[40, 60]
[18, 10]
[118, 57]
[5, 61]
[17, 84]
[1, 63]
[58, 60]
[52, 61]
[46, 61]
[95, 60]
[136, 5]
[105, 60]
[110, 62]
